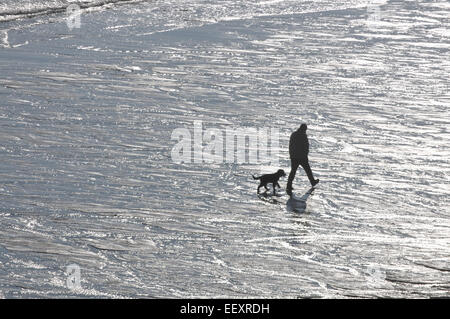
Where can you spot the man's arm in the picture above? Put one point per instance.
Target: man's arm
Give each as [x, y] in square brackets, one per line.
[306, 145]
[291, 145]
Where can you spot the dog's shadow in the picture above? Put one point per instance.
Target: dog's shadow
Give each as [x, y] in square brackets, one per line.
[269, 197]
[298, 204]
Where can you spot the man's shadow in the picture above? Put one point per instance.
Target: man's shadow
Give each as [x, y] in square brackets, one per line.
[298, 204]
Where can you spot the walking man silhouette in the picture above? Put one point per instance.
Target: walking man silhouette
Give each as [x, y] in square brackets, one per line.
[298, 151]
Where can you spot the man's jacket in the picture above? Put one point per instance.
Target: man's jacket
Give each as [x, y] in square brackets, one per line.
[299, 145]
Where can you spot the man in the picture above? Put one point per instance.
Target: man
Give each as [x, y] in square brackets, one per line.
[298, 151]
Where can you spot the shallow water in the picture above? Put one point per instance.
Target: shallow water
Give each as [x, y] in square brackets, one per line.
[87, 176]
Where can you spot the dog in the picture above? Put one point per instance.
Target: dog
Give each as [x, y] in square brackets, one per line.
[270, 178]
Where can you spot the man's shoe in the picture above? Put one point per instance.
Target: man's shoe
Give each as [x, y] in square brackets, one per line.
[316, 181]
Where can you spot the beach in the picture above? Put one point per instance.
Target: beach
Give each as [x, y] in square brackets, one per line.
[88, 113]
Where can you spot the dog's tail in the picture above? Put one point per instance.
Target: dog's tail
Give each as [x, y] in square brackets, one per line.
[256, 177]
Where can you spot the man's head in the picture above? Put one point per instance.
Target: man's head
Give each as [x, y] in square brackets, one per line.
[303, 127]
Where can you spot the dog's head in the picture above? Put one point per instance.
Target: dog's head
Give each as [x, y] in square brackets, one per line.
[281, 172]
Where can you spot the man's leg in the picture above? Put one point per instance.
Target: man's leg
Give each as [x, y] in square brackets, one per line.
[305, 164]
[294, 165]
